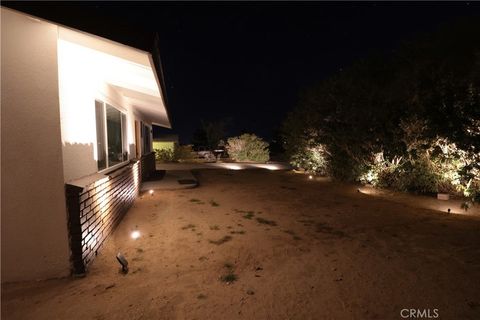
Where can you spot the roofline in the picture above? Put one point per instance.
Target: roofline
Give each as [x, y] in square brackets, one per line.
[160, 80]
[159, 76]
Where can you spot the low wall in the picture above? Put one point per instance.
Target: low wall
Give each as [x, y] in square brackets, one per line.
[94, 210]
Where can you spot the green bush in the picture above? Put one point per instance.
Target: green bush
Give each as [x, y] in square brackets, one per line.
[178, 153]
[164, 155]
[421, 176]
[312, 159]
[342, 166]
[248, 147]
[183, 152]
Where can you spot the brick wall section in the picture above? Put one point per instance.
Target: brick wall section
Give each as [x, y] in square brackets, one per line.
[95, 210]
[148, 165]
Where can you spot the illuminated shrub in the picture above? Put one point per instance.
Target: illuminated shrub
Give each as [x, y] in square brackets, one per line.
[382, 172]
[472, 190]
[248, 147]
[312, 159]
[420, 176]
[164, 155]
[178, 153]
[430, 165]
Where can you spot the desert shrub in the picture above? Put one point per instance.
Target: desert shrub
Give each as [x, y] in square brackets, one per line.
[419, 105]
[428, 165]
[312, 159]
[184, 152]
[420, 176]
[178, 153]
[164, 155]
[248, 147]
[342, 166]
[472, 190]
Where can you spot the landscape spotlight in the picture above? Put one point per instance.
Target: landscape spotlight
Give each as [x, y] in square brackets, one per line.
[135, 234]
[310, 177]
[123, 262]
[151, 192]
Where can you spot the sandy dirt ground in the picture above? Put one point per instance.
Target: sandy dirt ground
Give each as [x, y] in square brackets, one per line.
[270, 245]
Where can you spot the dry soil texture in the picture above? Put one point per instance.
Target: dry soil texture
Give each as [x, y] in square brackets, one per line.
[270, 245]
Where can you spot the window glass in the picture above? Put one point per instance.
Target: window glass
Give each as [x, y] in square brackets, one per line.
[100, 120]
[146, 140]
[124, 137]
[114, 135]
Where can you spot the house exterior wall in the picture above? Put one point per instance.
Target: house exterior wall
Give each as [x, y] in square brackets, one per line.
[95, 209]
[57, 209]
[34, 224]
[80, 86]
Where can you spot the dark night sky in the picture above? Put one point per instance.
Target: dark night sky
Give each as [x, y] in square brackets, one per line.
[248, 61]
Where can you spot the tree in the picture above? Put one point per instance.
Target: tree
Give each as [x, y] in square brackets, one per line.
[210, 133]
[356, 114]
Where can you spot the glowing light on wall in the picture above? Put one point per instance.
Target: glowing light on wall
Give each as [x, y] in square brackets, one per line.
[136, 177]
[85, 75]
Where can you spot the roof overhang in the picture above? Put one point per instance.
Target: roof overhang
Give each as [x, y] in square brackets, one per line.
[129, 70]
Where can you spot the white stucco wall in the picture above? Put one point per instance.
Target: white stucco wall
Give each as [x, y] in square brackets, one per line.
[84, 79]
[34, 224]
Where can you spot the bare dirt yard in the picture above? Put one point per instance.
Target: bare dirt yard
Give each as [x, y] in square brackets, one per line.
[259, 244]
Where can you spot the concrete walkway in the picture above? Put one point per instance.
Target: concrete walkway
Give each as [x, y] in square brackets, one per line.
[179, 175]
[173, 180]
[223, 165]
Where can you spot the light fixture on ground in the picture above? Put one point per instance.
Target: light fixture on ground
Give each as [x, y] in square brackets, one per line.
[310, 177]
[135, 234]
[123, 262]
[151, 192]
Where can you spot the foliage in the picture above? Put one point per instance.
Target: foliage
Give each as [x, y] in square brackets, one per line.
[164, 155]
[408, 121]
[183, 152]
[248, 147]
[210, 133]
[178, 153]
[429, 164]
[310, 158]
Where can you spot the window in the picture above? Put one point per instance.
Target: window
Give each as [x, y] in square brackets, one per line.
[111, 135]
[147, 143]
[145, 135]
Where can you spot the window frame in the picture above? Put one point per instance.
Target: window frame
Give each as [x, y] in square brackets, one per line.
[147, 139]
[123, 134]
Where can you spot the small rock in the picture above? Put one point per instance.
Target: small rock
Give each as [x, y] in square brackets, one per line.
[250, 292]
